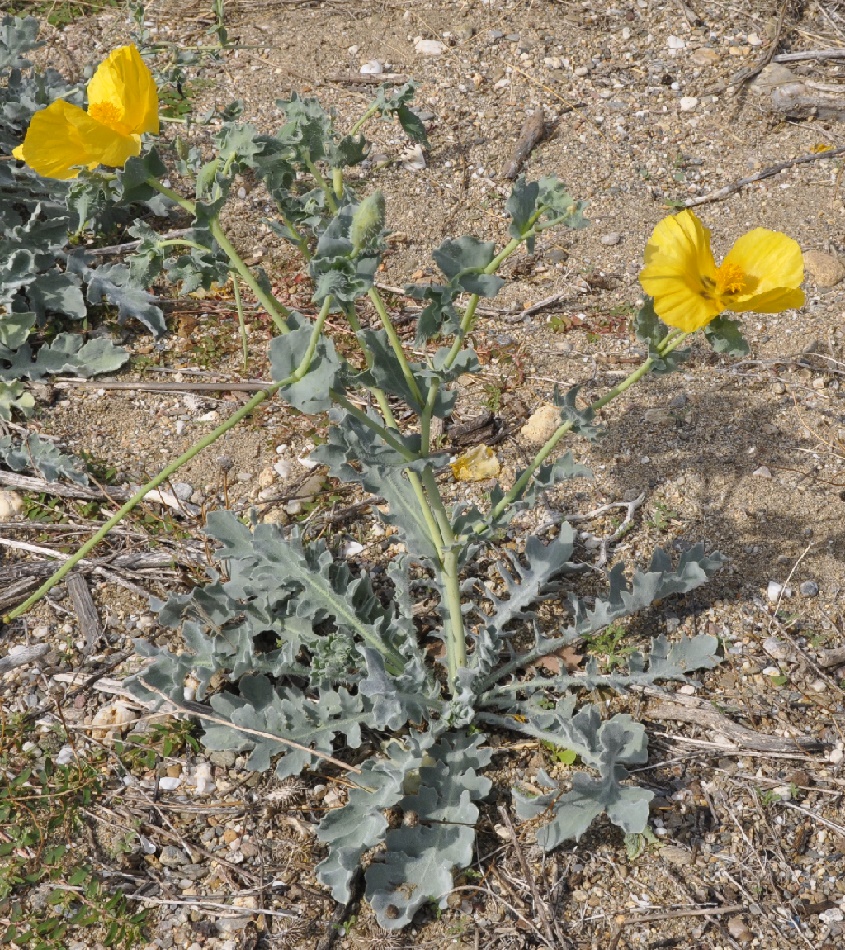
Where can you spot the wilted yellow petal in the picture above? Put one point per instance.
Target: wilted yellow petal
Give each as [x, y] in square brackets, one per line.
[476, 465]
[122, 93]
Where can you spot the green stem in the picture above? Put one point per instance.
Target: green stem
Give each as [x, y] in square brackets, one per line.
[383, 432]
[395, 344]
[363, 120]
[271, 305]
[184, 203]
[467, 321]
[337, 182]
[670, 343]
[181, 242]
[174, 466]
[456, 650]
[300, 240]
[331, 201]
[236, 286]
[141, 494]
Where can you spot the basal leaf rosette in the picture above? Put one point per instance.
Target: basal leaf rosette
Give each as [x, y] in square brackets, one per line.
[762, 272]
[122, 106]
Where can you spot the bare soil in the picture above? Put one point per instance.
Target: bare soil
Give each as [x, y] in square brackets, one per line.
[647, 104]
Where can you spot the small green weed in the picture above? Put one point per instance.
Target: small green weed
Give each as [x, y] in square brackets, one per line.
[637, 844]
[607, 644]
[662, 516]
[41, 810]
[59, 13]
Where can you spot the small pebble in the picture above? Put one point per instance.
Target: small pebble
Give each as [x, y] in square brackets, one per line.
[428, 47]
[773, 591]
[809, 589]
[776, 649]
[688, 103]
[611, 238]
[172, 857]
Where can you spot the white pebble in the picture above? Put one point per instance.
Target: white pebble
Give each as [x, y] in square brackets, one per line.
[688, 103]
[428, 47]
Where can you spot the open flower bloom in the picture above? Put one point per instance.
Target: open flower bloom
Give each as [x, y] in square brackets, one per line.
[762, 272]
[122, 106]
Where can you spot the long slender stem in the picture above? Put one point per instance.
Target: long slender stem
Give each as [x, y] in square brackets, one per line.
[277, 311]
[140, 495]
[328, 191]
[236, 287]
[271, 305]
[670, 343]
[175, 465]
[395, 344]
[185, 203]
[381, 431]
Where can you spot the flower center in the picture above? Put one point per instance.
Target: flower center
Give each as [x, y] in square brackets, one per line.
[729, 279]
[108, 114]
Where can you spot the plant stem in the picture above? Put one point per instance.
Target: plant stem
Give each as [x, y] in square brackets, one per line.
[395, 344]
[381, 431]
[174, 466]
[141, 494]
[670, 343]
[271, 305]
[363, 120]
[185, 203]
[331, 201]
[337, 182]
[236, 286]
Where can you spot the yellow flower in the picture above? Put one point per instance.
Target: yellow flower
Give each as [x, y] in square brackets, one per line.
[761, 272]
[122, 106]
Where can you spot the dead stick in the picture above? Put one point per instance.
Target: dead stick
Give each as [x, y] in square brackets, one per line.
[249, 386]
[759, 176]
[23, 656]
[59, 489]
[829, 658]
[540, 908]
[532, 132]
[687, 912]
[86, 610]
[809, 54]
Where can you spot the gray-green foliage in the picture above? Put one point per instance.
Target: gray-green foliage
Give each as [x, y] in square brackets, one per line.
[345, 658]
[41, 455]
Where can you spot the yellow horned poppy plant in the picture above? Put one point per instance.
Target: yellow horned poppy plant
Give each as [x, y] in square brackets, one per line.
[122, 106]
[761, 272]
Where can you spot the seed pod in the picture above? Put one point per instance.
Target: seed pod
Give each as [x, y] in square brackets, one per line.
[367, 222]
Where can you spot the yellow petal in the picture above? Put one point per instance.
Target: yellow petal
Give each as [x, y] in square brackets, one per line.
[62, 137]
[122, 93]
[773, 268]
[680, 272]
[476, 465]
